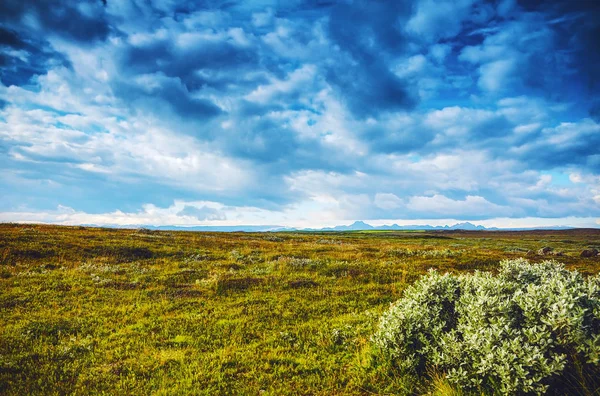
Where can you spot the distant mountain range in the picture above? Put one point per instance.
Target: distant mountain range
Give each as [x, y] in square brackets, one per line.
[466, 226]
[244, 228]
[362, 226]
[356, 226]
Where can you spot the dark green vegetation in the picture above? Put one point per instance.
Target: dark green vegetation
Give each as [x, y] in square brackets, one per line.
[87, 310]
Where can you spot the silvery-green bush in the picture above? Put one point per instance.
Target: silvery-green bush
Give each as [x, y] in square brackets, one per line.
[514, 332]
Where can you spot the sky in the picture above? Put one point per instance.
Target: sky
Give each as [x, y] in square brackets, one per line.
[300, 113]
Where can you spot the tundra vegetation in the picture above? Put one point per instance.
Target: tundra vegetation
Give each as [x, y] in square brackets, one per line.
[533, 328]
[89, 310]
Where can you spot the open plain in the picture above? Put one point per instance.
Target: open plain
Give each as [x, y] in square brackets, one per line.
[121, 311]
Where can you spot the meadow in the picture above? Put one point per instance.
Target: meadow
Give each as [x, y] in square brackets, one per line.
[120, 311]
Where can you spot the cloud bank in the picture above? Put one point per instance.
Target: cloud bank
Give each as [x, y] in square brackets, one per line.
[300, 112]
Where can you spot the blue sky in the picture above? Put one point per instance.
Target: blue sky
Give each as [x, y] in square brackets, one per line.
[300, 113]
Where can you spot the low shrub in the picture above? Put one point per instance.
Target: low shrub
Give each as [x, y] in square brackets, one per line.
[533, 328]
[127, 254]
[300, 263]
[302, 283]
[342, 269]
[429, 253]
[233, 283]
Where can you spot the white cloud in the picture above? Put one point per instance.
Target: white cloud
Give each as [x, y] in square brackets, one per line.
[335, 165]
[494, 75]
[308, 214]
[296, 81]
[457, 121]
[387, 201]
[412, 65]
[471, 207]
[185, 213]
[260, 19]
[434, 19]
[527, 128]
[575, 178]
[439, 52]
[134, 148]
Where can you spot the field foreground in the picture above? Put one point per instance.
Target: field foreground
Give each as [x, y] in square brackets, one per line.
[90, 310]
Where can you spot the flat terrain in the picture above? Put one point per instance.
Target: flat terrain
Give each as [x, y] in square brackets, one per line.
[90, 310]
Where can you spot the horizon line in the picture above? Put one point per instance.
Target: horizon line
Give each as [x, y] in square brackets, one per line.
[336, 228]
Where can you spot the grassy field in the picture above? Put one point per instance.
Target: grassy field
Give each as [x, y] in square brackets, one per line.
[90, 310]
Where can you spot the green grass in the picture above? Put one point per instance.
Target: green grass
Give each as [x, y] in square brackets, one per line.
[90, 310]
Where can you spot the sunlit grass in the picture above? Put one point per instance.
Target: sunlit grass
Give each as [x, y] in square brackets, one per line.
[88, 310]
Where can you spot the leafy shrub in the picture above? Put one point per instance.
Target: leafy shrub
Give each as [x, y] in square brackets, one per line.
[251, 258]
[273, 238]
[299, 263]
[146, 231]
[530, 329]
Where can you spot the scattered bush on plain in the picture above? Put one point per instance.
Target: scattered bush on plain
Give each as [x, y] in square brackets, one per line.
[532, 328]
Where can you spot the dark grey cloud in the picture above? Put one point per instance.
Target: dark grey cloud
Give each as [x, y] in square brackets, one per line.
[196, 63]
[595, 110]
[369, 34]
[549, 49]
[25, 27]
[159, 90]
[570, 144]
[22, 57]
[81, 21]
[10, 39]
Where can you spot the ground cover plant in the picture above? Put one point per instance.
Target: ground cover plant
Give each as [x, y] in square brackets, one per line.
[89, 310]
